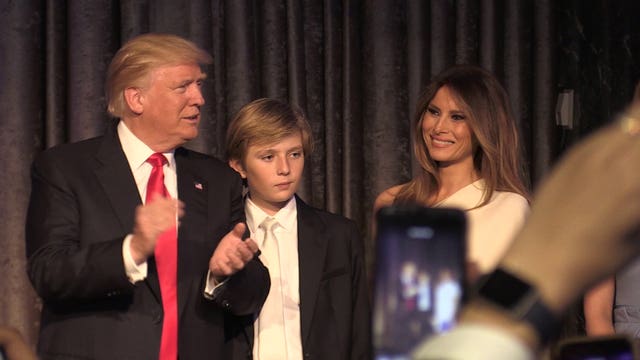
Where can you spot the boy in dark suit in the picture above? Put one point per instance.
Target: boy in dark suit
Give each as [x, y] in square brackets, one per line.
[317, 307]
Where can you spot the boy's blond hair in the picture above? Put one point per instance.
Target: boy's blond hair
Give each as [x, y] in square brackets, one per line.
[265, 121]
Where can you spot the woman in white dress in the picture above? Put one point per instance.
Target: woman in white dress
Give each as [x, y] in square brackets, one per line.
[467, 146]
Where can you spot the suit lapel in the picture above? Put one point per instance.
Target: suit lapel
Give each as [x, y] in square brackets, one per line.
[114, 174]
[193, 191]
[312, 248]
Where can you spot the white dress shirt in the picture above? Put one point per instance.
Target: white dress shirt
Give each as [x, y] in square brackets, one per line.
[287, 236]
[137, 154]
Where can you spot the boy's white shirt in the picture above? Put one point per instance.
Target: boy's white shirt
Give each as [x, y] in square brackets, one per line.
[286, 234]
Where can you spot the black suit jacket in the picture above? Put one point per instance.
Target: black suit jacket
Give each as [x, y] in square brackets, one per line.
[82, 206]
[334, 302]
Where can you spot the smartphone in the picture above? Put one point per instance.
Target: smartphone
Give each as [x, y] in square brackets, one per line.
[615, 347]
[419, 278]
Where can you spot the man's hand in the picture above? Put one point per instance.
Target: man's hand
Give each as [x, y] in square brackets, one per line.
[14, 345]
[585, 218]
[232, 253]
[584, 225]
[151, 220]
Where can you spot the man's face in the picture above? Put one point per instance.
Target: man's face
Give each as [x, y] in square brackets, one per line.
[273, 172]
[170, 106]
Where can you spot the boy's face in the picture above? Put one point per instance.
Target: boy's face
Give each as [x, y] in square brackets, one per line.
[273, 172]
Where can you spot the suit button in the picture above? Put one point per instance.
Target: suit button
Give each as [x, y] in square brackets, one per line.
[307, 356]
[157, 316]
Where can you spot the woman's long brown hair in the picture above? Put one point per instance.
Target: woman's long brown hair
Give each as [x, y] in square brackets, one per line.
[498, 157]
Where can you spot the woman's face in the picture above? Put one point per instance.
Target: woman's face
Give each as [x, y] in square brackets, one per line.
[445, 131]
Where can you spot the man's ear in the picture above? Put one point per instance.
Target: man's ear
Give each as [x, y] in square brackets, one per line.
[237, 166]
[133, 97]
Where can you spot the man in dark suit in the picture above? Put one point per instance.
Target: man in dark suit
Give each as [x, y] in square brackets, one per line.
[93, 243]
[317, 307]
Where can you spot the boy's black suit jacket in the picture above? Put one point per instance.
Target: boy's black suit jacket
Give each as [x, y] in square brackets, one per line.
[334, 300]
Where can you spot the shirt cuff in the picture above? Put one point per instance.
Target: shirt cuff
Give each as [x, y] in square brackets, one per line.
[212, 285]
[134, 272]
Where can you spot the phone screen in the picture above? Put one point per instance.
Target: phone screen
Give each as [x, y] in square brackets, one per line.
[419, 277]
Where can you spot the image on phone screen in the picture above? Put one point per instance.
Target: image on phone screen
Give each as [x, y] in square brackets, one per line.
[419, 277]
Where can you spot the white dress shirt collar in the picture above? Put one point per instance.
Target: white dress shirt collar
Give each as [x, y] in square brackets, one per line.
[136, 151]
[286, 216]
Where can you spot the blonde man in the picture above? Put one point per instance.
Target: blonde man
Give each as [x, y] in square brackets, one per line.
[118, 277]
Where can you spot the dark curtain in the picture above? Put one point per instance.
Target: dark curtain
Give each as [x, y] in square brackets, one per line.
[356, 67]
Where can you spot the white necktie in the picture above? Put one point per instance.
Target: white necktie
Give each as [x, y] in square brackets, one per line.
[272, 343]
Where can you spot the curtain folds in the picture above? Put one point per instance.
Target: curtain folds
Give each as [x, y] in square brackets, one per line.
[355, 67]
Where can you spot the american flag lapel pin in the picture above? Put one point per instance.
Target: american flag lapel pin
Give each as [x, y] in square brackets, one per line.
[198, 186]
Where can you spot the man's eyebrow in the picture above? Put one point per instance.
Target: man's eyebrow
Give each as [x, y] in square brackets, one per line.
[191, 80]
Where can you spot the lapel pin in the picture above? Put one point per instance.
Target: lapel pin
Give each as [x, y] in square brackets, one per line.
[198, 186]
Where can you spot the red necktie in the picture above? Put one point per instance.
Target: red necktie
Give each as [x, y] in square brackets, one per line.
[166, 255]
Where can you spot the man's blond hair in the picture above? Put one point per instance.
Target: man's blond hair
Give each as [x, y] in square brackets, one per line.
[136, 59]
